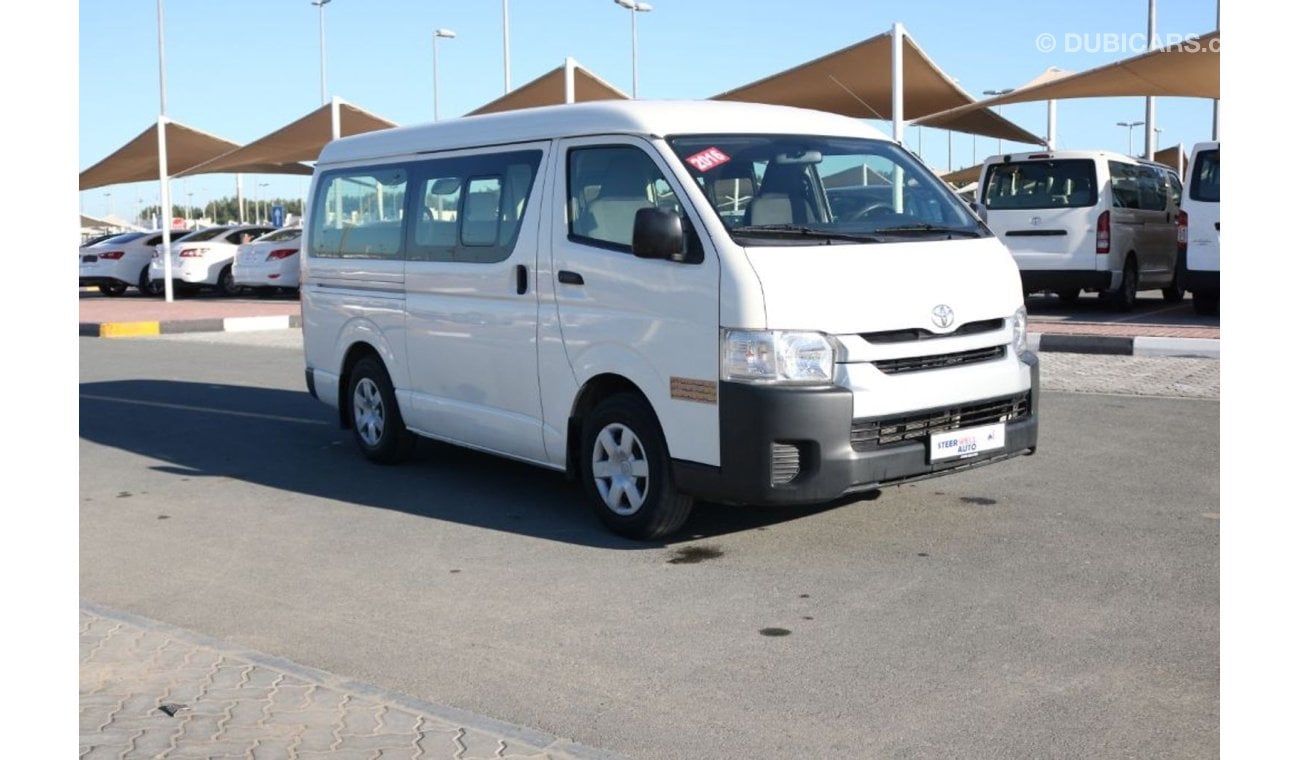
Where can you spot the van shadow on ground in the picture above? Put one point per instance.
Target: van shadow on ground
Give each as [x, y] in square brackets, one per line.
[288, 441]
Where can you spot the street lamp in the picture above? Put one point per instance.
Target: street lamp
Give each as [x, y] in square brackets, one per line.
[1157, 130]
[1130, 125]
[321, 4]
[445, 34]
[260, 199]
[109, 196]
[189, 204]
[636, 8]
[997, 109]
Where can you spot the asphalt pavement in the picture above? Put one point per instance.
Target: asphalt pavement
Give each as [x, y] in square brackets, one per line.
[150, 689]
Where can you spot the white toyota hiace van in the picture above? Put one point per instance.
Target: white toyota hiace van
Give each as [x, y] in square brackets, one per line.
[1201, 227]
[1087, 221]
[666, 300]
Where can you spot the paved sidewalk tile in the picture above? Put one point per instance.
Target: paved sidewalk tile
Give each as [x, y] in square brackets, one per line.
[149, 690]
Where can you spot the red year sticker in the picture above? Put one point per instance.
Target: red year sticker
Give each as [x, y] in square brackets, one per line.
[709, 158]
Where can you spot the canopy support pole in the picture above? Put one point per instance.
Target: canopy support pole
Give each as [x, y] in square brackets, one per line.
[896, 108]
[1051, 125]
[165, 213]
[568, 80]
[1150, 151]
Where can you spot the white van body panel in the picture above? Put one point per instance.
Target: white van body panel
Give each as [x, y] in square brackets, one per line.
[1202, 221]
[649, 320]
[472, 344]
[884, 286]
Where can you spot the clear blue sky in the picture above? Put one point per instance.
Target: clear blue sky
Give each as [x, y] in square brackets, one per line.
[243, 68]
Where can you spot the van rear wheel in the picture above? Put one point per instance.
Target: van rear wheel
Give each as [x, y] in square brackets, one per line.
[626, 471]
[1126, 297]
[377, 424]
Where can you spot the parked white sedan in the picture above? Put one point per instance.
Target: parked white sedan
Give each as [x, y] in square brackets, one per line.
[119, 262]
[206, 257]
[270, 263]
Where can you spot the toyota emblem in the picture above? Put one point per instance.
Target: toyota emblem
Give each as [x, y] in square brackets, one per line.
[942, 315]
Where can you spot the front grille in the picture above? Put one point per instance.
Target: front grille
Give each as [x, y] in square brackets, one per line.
[867, 434]
[918, 333]
[785, 463]
[939, 361]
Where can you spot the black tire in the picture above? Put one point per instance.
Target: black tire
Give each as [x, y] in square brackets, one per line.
[1205, 304]
[377, 424]
[1125, 298]
[148, 287]
[1068, 297]
[630, 487]
[113, 290]
[226, 283]
[1178, 288]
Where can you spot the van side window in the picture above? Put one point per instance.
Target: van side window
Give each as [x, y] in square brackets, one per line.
[607, 186]
[1152, 193]
[357, 214]
[1175, 188]
[470, 207]
[1124, 188]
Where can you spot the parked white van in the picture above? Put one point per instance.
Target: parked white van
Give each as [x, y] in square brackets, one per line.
[1201, 227]
[1087, 221]
[659, 299]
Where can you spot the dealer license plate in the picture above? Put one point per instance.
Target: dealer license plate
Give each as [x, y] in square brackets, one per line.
[968, 442]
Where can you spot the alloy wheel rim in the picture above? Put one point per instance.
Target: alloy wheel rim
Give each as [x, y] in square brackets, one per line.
[620, 469]
[368, 412]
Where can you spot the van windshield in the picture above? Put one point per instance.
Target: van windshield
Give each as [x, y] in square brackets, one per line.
[812, 190]
[1205, 177]
[1068, 183]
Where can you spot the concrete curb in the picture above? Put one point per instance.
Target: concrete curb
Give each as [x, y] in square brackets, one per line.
[1117, 345]
[172, 327]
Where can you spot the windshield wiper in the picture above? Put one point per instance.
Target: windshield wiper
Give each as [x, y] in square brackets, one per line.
[926, 227]
[795, 230]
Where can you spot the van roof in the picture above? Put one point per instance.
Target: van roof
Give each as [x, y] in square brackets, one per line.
[1068, 154]
[640, 117]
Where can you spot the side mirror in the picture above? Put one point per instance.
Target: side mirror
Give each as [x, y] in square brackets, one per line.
[658, 234]
[980, 210]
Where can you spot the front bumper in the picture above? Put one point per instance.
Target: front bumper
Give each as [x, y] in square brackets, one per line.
[817, 422]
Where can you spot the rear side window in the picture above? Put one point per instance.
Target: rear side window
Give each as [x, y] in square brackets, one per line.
[1205, 177]
[357, 214]
[470, 207]
[1066, 183]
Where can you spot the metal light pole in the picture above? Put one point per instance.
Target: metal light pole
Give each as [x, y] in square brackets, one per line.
[997, 109]
[109, 196]
[446, 34]
[636, 8]
[260, 200]
[1157, 130]
[1130, 125]
[321, 5]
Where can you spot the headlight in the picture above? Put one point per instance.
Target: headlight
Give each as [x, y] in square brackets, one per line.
[777, 356]
[1020, 332]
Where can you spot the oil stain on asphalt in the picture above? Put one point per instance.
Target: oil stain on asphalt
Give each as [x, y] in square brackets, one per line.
[689, 555]
[982, 501]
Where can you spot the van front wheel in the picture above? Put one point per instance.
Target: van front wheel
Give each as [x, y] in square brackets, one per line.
[626, 471]
[377, 424]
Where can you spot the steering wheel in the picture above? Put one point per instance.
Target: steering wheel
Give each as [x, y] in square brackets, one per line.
[872, 210]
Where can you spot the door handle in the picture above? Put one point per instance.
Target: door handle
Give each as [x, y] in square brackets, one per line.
[521, 279]
[570, 278]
